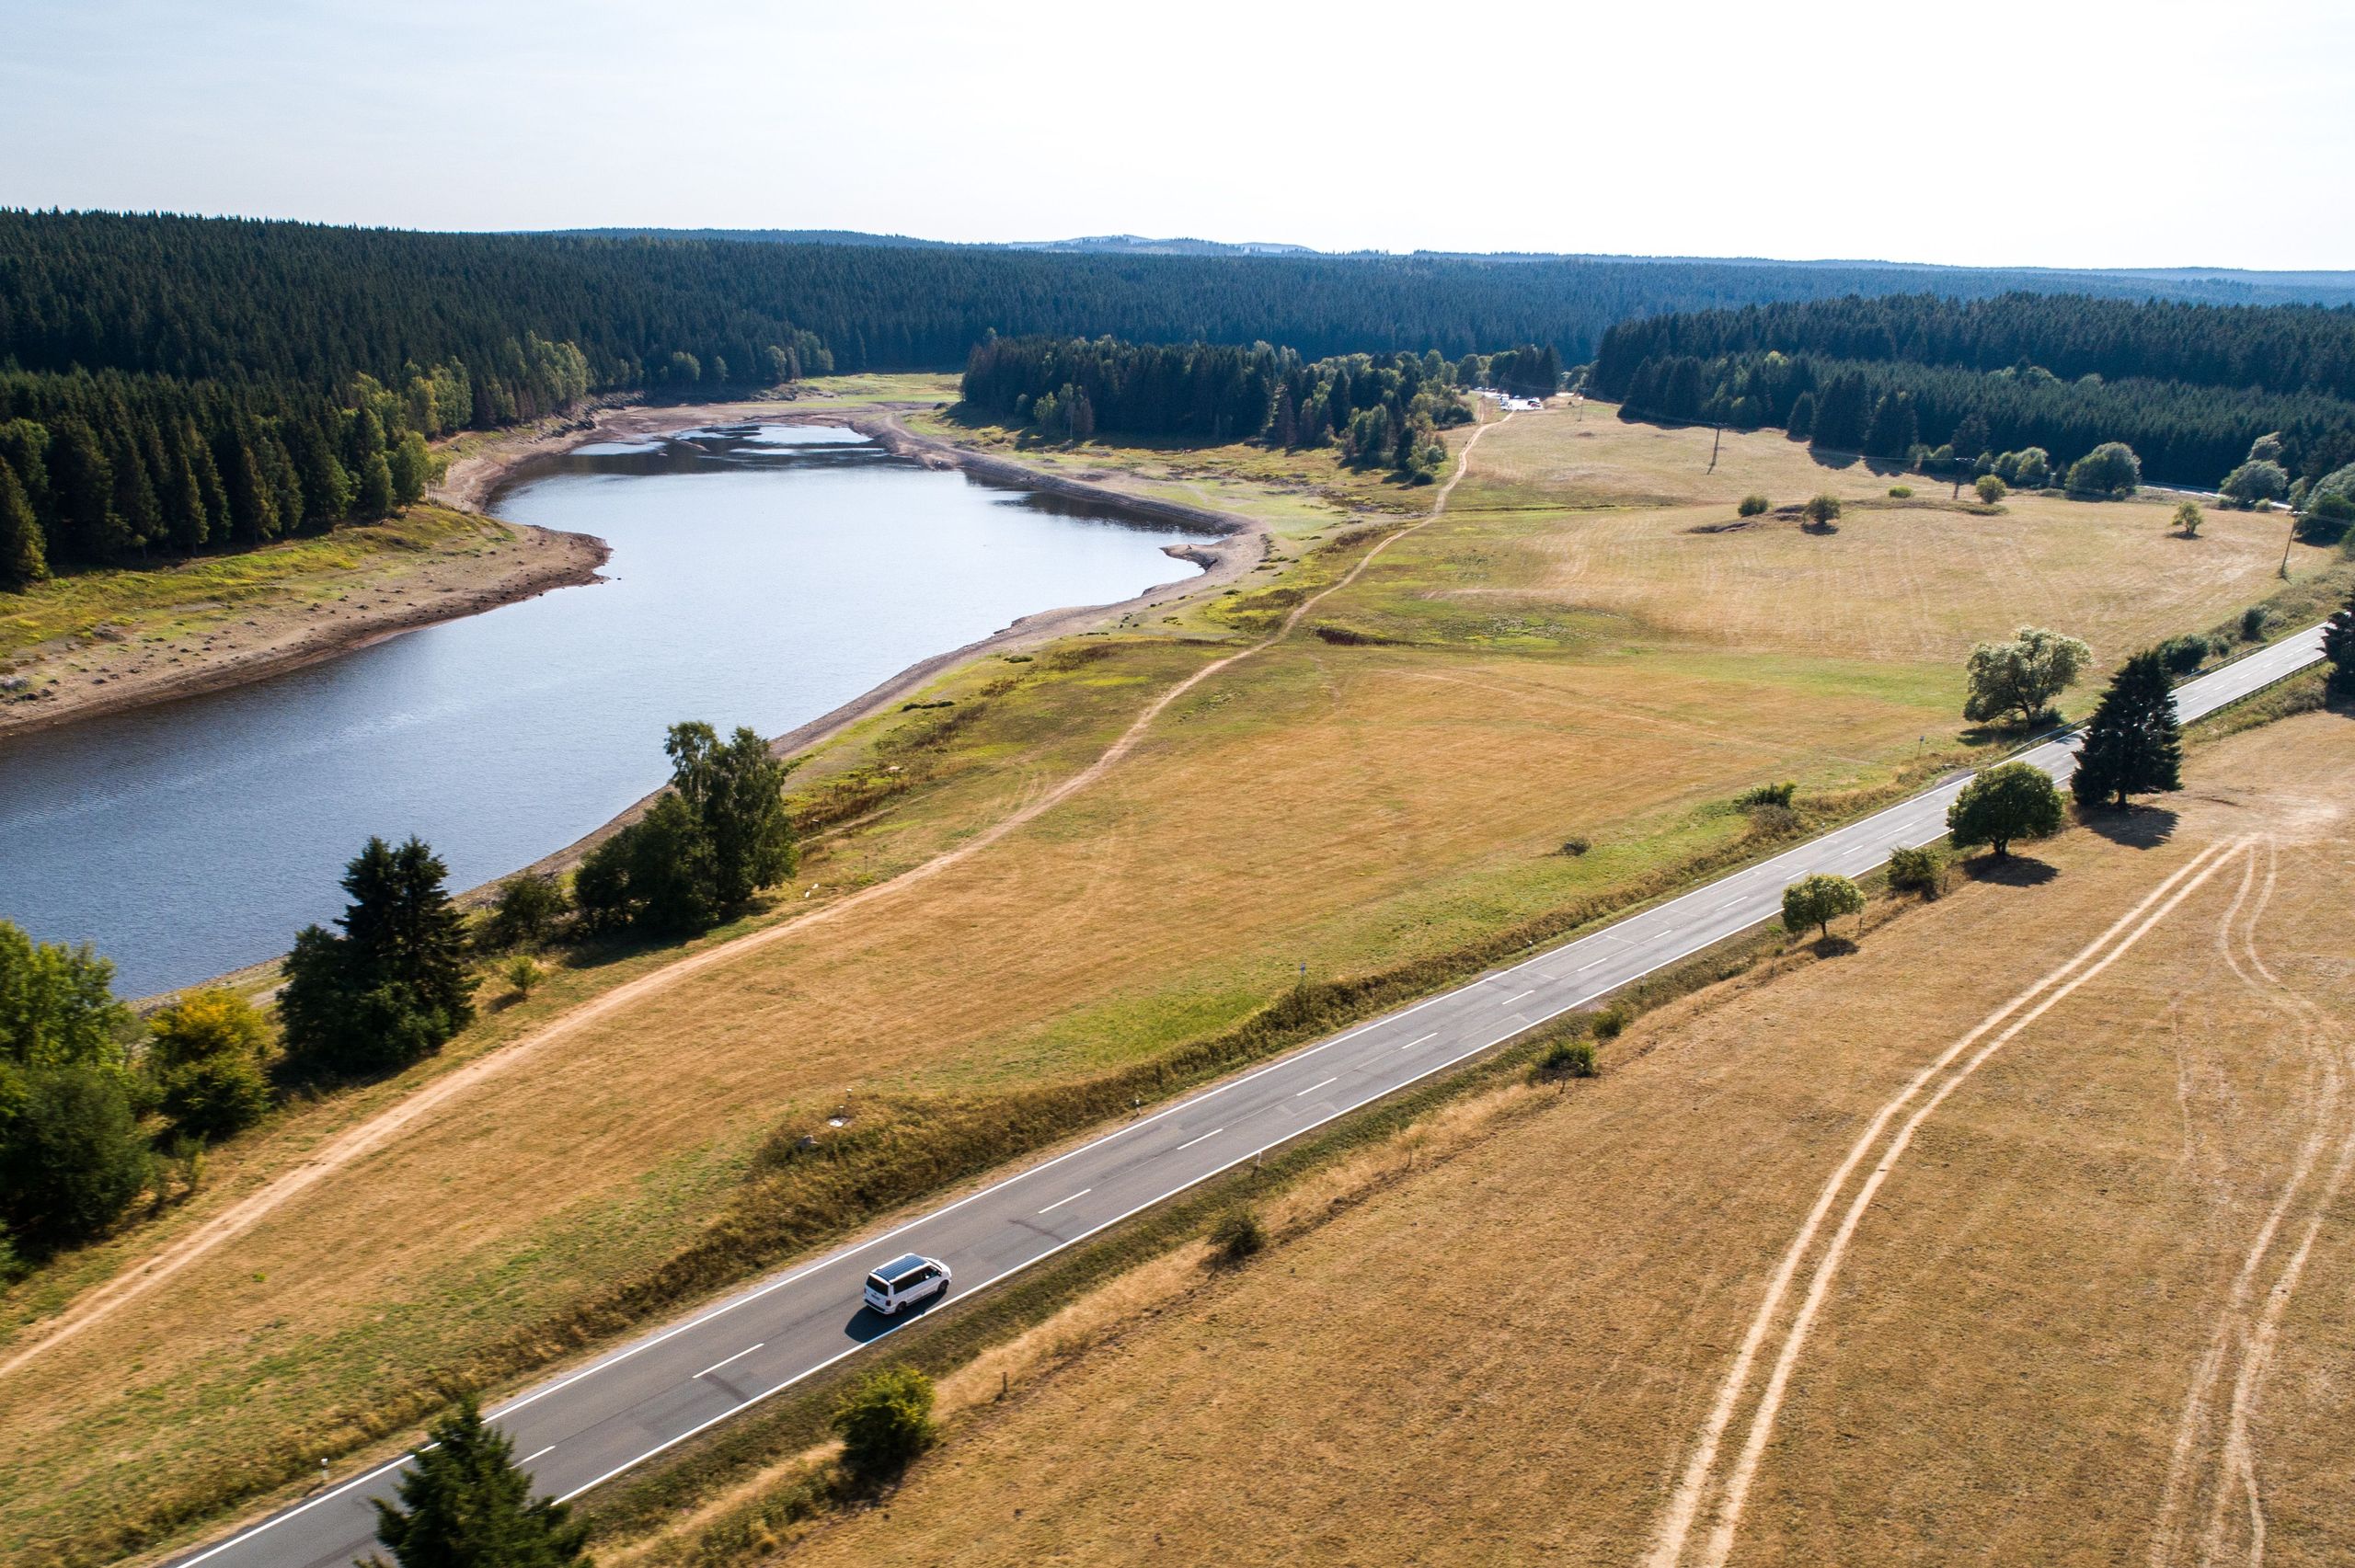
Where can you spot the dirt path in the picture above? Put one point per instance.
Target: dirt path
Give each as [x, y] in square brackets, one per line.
[2222, 1462]
[1713, 1494]
[357, 1142]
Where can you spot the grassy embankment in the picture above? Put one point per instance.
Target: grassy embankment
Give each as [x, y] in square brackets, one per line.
[1387, 808]
[1504, 1352]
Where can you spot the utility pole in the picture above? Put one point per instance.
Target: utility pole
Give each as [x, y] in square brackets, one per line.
[2293, 539]
[1717, 433]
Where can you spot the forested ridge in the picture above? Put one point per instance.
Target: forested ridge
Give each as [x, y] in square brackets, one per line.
[173, 385]
[2192, 389]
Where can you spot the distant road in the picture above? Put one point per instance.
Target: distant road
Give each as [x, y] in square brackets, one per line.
[630, 1406]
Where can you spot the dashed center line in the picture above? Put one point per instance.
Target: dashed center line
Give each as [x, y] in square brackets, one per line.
[1061, 1201]
[1597, 964]
[527, 1459]
[1510, 1000]
[1315, 1087]
[1191, 1141]
[1418, 1040]
[718, 1365]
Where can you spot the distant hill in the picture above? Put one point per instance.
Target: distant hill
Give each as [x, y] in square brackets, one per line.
[2214, 285]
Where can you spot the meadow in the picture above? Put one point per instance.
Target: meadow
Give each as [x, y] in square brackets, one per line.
[1579, 648]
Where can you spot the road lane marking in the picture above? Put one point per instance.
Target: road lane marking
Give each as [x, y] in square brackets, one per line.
[1204, 1138]
[527, 1459]
[1418, 1040]
[1315, 1087]
[1510, 1000]
[1061, 1201]
[1598, 963]
[718, 1365]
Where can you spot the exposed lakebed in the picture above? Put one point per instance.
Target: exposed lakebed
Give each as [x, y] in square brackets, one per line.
[760, 576]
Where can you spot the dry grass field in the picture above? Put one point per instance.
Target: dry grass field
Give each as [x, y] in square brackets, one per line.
[1356, 806]
[2095, 1312]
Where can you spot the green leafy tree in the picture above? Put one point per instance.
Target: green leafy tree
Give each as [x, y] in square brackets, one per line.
[2253, 483]
[2187, 519]
[2133, 745]
[1818, 899]
[394, 987]
[2007, 803]
[1990, 489]
[2339, 647]
[411, 464]
[884, 1421]
[206, 1052]
[465, 1503]
[70, 1154]
[57, 1005]
[2020, 678]
[525, 915]
[2109, 472]
[1823, 510]
[719, 835]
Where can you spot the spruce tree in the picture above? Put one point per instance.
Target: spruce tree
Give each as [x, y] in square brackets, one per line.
[2339, 647]
[22, 558]
[465, 1503]
[394, 987]
[2133, 745]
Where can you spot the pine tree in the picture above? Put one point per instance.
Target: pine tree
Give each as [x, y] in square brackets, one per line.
[465, 1503]
[394, 987]
[2133, 745]
[22, 558]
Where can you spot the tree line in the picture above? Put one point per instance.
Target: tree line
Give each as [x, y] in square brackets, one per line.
[2191, 388]
[1378, 409]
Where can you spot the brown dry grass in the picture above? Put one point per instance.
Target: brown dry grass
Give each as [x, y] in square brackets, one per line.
[1349, 805]
[1505, 1357]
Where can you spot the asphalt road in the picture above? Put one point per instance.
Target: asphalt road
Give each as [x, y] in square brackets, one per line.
[630, 1406]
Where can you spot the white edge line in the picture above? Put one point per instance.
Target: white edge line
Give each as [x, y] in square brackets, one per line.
[2313, 656]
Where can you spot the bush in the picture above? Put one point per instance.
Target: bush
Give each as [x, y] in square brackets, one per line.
[1767, 794]
[1238, 1235]
[2184, 655]
[73, 1160]
[525, 915]
[1900, 492]
[1754, 505]
[1565, 1058]
[2109, 472]
[1822, 511]
[884, 1421]
[1921, 870]
[1991, 489]
[524, 973]
[2252, 621]
[1576, 845]
[1611, 1023]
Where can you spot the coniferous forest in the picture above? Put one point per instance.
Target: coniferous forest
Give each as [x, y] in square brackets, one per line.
[2190, 387]
[170, 386]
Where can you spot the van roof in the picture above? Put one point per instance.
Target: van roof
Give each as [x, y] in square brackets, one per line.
[899, 1267]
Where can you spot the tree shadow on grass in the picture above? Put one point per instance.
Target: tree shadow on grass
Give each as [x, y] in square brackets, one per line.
[2137, 827]
[1832, 459]
[2010, 871]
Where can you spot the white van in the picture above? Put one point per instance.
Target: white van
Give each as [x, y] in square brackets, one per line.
[906, 1281]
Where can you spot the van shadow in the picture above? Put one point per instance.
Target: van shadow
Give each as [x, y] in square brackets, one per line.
[2010, 871]
[866, 1324]
[2137, 827]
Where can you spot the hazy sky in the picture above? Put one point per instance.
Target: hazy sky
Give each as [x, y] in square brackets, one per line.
[2060, 133]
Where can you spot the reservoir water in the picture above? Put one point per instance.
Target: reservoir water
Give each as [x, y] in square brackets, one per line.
[760, 576]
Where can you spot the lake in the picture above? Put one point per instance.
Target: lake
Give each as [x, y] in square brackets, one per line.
[760, 576]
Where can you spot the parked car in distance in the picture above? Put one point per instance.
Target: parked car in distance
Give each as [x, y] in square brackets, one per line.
[906, 1281]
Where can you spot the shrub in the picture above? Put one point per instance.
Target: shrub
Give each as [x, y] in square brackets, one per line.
[2252, 621]
[1238, 1234]
[1576, 844]
[1754, 504]
[525, 915]
[1611, 1023]
[1991, 489]
[2184, 655]
[884, 1421]
[523, 974]
[1767, 794]
[1921, 870]
[1565, 1058]
[1770, 822]
[1900, 492]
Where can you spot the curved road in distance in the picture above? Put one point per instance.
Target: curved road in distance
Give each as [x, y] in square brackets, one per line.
[633, 1404]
